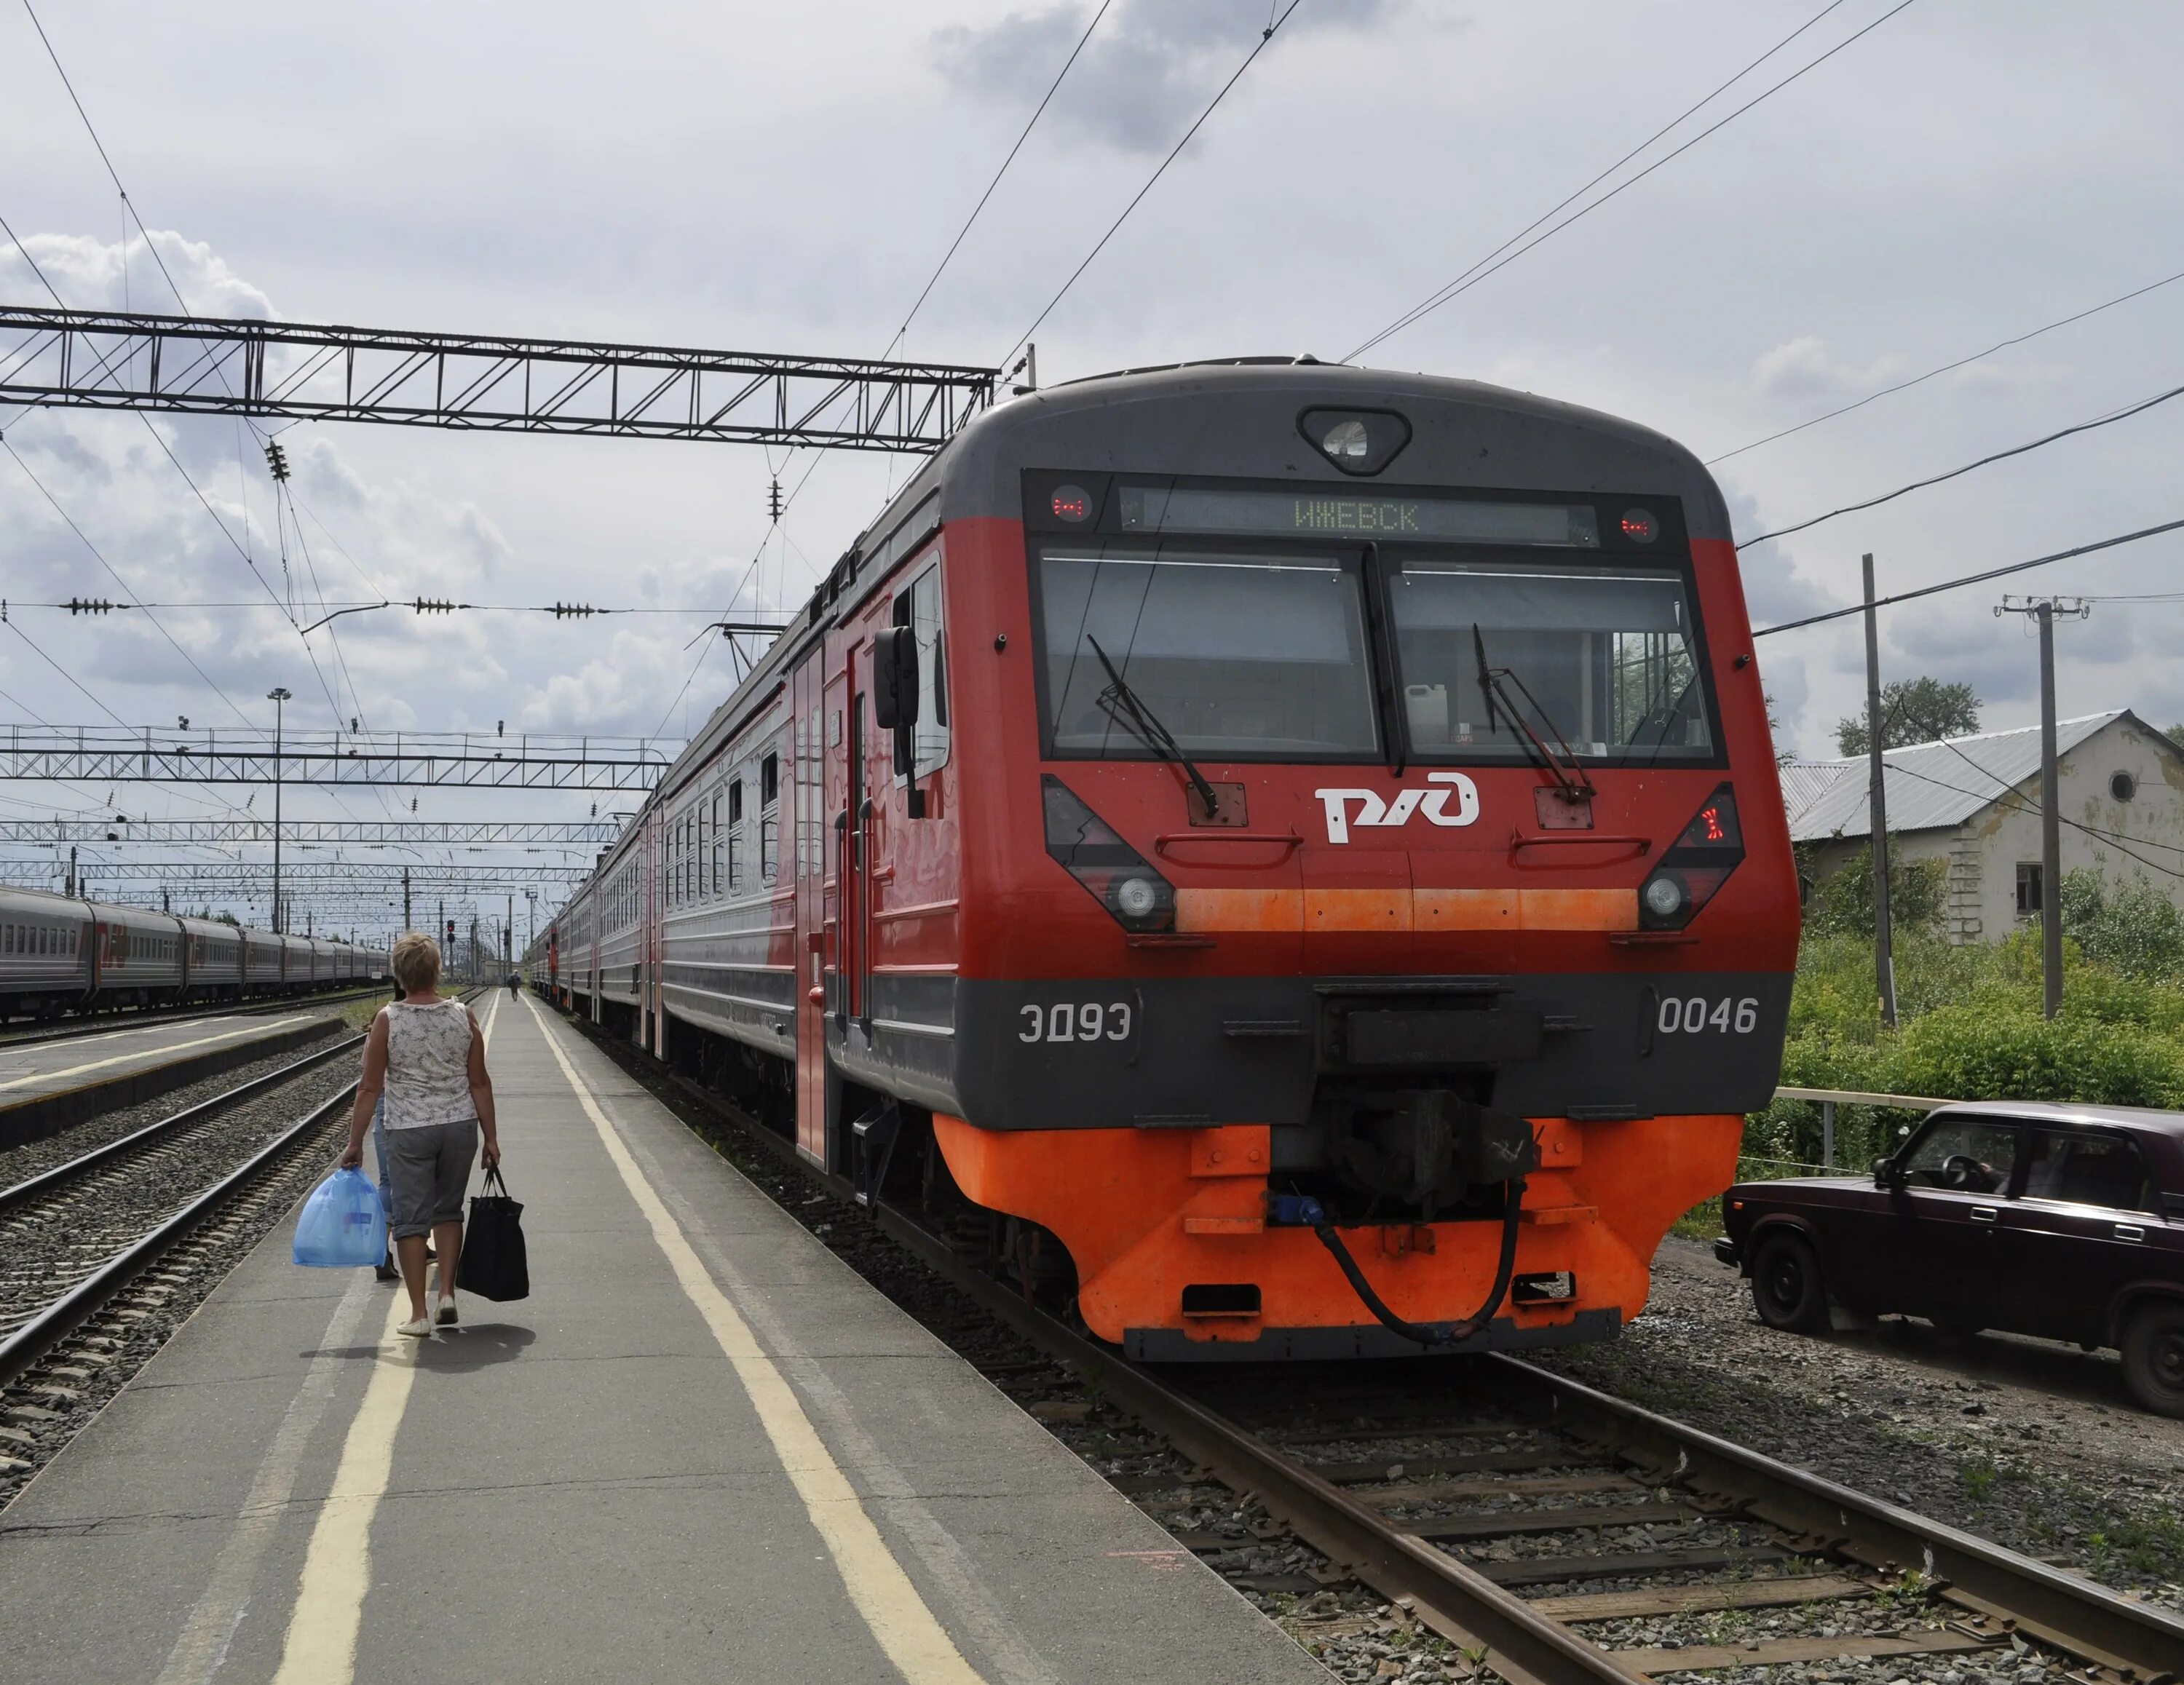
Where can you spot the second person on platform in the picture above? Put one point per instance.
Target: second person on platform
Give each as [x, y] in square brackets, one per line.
[425, 1055]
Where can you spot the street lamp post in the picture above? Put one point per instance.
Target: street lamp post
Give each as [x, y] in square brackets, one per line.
[278, 695]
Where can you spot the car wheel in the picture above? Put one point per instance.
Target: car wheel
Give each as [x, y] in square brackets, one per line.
[1785, 1285]
[2154, 1358]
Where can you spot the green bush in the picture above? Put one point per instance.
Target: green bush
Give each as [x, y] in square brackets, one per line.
[1842, 903]
[2133, 927]
[1971, 1026]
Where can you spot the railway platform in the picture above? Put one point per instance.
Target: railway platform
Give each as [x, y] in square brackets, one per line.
[703, 1449]
[48, 1085]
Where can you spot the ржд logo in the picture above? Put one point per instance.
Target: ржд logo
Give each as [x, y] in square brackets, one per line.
[1372, 811]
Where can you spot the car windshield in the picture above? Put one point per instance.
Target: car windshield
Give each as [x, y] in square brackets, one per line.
[1969, 1155]
[1606, 654]
[1235, 655]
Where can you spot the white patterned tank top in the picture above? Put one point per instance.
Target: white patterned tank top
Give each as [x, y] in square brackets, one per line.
[428, 1065]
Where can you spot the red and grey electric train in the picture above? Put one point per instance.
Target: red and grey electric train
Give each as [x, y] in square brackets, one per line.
[1288, 854]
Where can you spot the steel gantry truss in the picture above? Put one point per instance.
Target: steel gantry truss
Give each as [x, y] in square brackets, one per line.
[104, 359]
[304, 833]
[533, 761]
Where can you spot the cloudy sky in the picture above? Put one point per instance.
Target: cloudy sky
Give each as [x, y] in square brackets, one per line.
[785, 178]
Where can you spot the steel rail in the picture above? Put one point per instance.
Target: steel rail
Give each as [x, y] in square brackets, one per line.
[2069, 1613]
[65, 1315]
[61, 1175]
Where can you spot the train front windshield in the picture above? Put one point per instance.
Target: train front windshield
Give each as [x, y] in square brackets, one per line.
[1238, 656]
[1608, 656]
[1265, 656]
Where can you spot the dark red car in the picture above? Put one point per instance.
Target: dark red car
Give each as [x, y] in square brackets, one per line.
[2062, 1221]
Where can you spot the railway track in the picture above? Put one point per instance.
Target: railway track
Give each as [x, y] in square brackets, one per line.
[1550, 1532]
[107, 1023]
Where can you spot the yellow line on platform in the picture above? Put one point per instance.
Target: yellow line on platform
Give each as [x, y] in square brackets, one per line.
[906, 1628]
[320, 1649]
[321, 1643]
[173, 1047]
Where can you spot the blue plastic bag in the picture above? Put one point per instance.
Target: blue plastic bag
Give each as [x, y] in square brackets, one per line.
[343, 1224]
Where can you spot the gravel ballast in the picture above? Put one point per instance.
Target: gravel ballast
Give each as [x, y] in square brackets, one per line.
[2034, 1446]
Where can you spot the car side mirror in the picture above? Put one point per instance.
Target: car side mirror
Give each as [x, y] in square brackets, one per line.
[1885, 1174]
[895, 678]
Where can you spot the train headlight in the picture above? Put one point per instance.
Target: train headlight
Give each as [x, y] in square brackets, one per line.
[1115, 875]
[1355, 440]
[1664, 897]
[1696, 864]
[1135, 898]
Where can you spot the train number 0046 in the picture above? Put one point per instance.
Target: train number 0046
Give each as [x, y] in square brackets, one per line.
[1086, 1021]
[1696, 1014]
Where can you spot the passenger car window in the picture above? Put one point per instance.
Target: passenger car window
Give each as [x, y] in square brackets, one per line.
[1971, 1156]
[2079, 1169]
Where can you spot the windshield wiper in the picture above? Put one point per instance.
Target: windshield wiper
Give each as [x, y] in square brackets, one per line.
[1126, 707]
[1570, 783]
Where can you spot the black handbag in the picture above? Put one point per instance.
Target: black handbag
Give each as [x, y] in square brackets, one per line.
[495, 1264]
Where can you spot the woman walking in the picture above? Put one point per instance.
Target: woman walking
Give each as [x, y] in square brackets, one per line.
[425, 1056]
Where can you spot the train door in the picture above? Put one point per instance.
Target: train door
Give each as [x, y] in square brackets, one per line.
[817, 727]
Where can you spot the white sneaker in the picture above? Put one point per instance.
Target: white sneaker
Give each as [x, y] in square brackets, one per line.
[447, 1311]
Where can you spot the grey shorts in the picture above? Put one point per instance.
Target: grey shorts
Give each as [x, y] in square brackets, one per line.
[430, 1166]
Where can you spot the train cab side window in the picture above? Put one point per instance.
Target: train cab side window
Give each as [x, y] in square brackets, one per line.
[719, 883]
[769, 817]
[929, 738]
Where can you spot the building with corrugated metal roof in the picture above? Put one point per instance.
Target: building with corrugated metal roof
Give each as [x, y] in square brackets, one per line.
[1974, 804]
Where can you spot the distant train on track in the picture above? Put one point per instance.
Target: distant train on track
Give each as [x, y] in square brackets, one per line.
[1286, 859]
[59, 954]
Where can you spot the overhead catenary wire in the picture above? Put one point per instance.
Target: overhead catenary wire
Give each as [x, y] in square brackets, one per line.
[948, 256]
[1950, 367]
[99, 556]
[1444, 293]
[1979, 578]
[1464, 283]
[2107, 420]
[1257, 47]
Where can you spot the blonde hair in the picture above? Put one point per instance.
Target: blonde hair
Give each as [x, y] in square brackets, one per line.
[416, 962]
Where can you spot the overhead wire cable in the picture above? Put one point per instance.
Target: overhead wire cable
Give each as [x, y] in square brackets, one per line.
[1258, 47]
[99, 556]
[2107, 420]
[1456, 289]
[1682, 117]
[1972, 578]
[1948, 368]
[960, 233]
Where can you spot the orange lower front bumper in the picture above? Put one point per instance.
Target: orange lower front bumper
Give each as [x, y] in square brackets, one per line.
[1145, 1213]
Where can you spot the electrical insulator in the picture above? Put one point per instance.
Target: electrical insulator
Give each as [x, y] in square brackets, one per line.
[773, 499]
[89, 605]
[433, 605]
[564, 611]
[276, 460]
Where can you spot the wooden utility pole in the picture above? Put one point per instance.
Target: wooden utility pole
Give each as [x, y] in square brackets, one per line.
[1884, 957]
[2044, 610]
